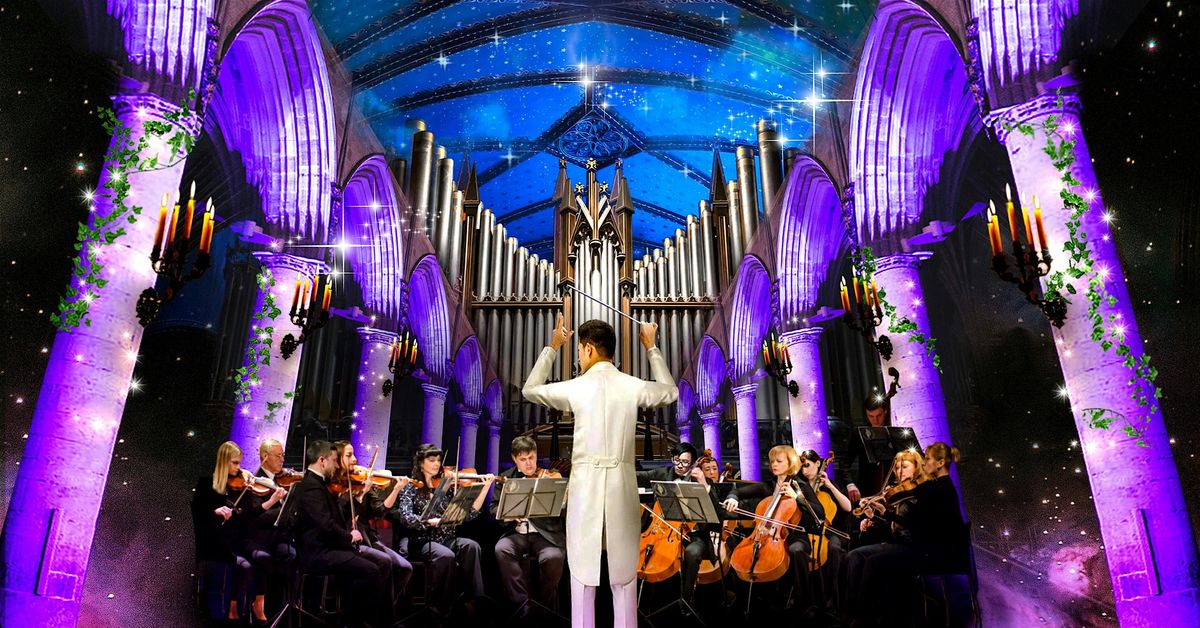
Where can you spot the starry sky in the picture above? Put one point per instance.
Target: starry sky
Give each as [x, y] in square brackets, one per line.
[1022, 472]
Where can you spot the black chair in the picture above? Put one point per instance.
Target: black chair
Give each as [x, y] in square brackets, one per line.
[533, 575]
[421, 606]
[935, 585]
[293, 609]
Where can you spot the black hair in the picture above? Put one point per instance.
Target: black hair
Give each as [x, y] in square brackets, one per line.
[425, 450]
[683, 447]
[875, 402]
[316, 449]
[523, 444]
[600, 335]
[811, 456]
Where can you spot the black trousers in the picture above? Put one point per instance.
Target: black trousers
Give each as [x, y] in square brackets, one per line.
[550, 559]
[362, 582]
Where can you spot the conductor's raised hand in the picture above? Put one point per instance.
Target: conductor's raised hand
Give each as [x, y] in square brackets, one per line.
[647, 332]
[560, 335]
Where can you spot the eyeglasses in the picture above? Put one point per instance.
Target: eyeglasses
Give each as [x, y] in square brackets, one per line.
[681, 463]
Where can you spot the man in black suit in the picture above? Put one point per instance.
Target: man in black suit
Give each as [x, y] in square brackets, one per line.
[700, 547]
[327, 545]
[543, 538]
[871, 475]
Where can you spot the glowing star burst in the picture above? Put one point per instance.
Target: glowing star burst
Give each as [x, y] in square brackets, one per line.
[442, 60]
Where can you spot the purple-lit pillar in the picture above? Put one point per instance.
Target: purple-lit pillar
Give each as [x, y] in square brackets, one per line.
[435, 411]
[275, 379]
[373, 411]
[809, 417]
[683, 421]
[919, 404]
[468, 436]
[50, 522]
[493, 451]
[711, 424]
[1148, 542]
[747, 424]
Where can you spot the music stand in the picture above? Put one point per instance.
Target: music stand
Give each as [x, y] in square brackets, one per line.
[686, 502]
[459, 507]
[881, 444]
[532, 498]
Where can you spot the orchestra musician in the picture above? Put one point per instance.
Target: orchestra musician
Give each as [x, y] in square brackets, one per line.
[369, 505]
[710, 468]
[870, 477]
[700, 545]
[543, 539]
[218, 523]
[934, 539]
[603, 516]
[327, 543]
[439, 544]
[785, 466]
[268, 548]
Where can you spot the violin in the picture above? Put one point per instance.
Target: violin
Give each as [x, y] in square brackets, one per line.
[465, 477]
[359, 478]
[287, 477]
[763, 556]
[259, 486]
[889, 497]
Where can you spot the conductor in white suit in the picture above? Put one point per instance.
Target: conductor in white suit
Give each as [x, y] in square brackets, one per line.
[602, 511]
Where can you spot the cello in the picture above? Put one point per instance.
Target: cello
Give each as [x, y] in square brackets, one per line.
[763, 555]
[659, 546]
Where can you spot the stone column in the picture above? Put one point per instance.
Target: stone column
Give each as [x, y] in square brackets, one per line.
[278, 376]
[919, 404]
[711, 422]
[683, 421]
[809, 416]
[747, 423]
[435, 413]
[467, 436]
[1148, 540]
[493, 451]
[50, 523]
[372, 411]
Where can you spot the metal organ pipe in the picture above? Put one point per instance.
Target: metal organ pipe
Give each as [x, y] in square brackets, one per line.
[487, 225]
[443, 201]
[734, 228]
[708, 250]
[769, 151]
[456, 235]
[419, 175]
[748, 189]
[693, 245]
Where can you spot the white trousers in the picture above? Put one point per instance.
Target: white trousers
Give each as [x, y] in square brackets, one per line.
[583, 605]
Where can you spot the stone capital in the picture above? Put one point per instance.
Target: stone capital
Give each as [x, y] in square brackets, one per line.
[901, 260]
[142, 106]
[745, 391]
[434, 390]
[370, 335]
[283, 262]
[808, 335]
[469, 417]
[710, 418]
[1060, 97]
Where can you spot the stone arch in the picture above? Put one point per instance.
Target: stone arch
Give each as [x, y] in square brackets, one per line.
[372, 232]
[913, 105]
[750, 316]
[710, 373]
[273, 105]
[811, 236]
[429, 317]
[468, 373]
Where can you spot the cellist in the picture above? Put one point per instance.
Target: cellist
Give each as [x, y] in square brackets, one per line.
[812, 469]
[785, 465]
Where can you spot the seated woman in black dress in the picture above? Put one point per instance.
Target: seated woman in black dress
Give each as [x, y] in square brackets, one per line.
[439, 544]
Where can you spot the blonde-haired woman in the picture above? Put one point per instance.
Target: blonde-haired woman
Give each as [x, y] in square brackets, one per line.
[219, 526]
[930, 537]
[784, 463]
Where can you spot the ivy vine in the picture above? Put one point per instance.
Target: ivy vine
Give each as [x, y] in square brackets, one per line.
[865, 263]
[125, 155]
[274, 406]
[258, 347]
[1060, 148]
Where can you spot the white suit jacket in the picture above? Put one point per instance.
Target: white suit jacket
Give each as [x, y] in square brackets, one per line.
[602, 507]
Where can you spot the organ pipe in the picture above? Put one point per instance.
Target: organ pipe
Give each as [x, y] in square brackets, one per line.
[748, 190]
[443, 200]
[769, 161]
[419, 175]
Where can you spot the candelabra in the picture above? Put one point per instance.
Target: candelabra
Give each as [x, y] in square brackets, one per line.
[306, 312]
[403, 360]
[1029, 260]
[778, 362]
[865, 315]
[169, 255]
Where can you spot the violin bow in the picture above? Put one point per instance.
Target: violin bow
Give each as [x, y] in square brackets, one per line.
[304, 465]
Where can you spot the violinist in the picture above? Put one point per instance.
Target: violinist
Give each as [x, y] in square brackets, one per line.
[933, 539]
[263, 543]
[439, 545]
[699, 544]
[217, 522]
[369, 505]
[542, 538]
[908, 470]
[327, 544]
[785, 465]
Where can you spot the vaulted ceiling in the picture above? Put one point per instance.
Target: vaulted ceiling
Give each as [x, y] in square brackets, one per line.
[516, 86]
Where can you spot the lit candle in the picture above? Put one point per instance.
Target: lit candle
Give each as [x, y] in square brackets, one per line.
[845, 297]
[1028, 231]
[171, 228]
[857, 294]
[328, 296]
[766, 353]
[206, 228]
[1012, 218]
[315, 294]
[392, 357]
[874, 293]
[295, 298]
[304, 296]
[994, 233]
[191, 210]
[412, 359]
[158, 233]
[787, 357]
[1041, 229]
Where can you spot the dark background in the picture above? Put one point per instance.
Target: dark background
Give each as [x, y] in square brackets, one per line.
[1027, 500]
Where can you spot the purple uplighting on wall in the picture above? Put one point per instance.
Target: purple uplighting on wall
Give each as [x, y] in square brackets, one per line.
[809, 416]
[372, 410]
[372, 237]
